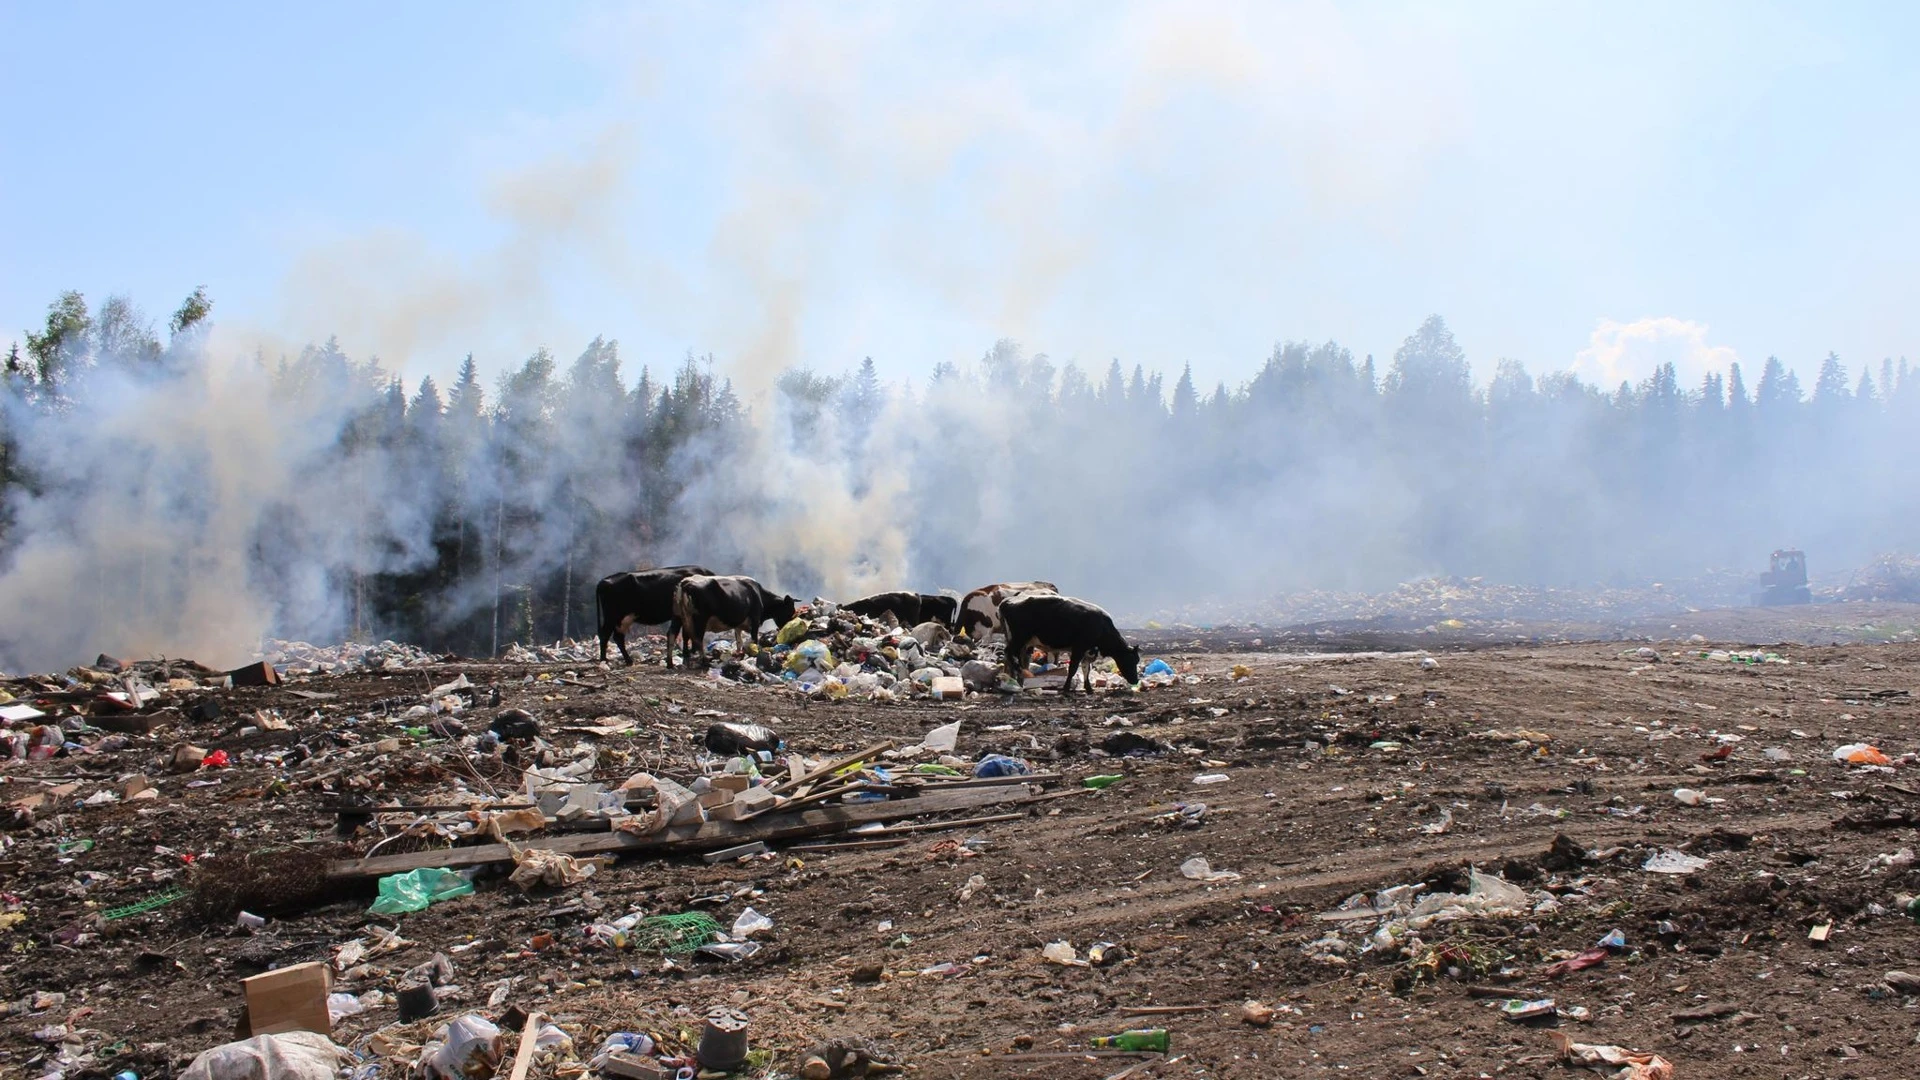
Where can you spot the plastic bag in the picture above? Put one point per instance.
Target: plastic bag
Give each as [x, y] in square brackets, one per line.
[1198, 869]
[1001, 765]
[1157, 667]
[1861, 754]
[415, 889]
[470, 1050]
[750, 923]
[809, 654]
[290, 1055]
[943, 739]
[792, 632]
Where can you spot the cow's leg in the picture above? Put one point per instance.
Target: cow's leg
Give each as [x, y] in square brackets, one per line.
[1016, 667]
[1086, 669]
[1066, 688]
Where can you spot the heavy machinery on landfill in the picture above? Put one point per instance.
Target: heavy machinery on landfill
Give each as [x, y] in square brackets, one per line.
[1785, 581]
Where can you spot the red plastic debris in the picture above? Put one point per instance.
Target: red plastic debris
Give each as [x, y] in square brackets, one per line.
[1584, 960]
[215, 760]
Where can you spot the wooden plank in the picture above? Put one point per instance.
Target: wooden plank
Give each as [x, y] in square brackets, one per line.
[803, 800]
[934, 826]
[705, 836]
[523, 1058]
[983, 781]
[846, 845]
[833, 766]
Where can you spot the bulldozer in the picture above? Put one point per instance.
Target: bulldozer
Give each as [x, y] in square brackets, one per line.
[1785, 581]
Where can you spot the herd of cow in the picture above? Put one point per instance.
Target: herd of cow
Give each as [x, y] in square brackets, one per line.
[692, 602]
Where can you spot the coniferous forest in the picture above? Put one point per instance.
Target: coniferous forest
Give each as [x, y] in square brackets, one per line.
[155, 484]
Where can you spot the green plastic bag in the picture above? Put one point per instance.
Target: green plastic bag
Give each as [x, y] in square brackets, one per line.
[791, 633]
[415, 889]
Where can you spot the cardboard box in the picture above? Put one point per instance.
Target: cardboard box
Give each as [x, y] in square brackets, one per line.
[260, 674]
[290, 999]
[746, 804]
[732, 781]
[630, 1067]
[949, 688]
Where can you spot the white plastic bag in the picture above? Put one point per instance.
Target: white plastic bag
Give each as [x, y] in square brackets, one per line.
[290, 1055]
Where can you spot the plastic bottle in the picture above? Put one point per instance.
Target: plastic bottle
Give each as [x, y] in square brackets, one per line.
[1138, 1039]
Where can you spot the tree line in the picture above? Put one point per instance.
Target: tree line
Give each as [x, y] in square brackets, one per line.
[467, 517]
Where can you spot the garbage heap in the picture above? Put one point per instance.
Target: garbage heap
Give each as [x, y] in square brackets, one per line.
[1887, 578]
[833, 653]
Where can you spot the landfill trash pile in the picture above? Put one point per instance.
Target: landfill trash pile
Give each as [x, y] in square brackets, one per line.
[1443, 603]
[299, 657]
[835, 654]
[1889, 577]
[1597, 857]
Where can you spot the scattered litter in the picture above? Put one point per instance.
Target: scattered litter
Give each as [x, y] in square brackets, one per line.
[943, 739]
[289, 1055]
[1860, 754]
[1523, 1011]
[749, 923]
[1198, 869]
[1060, 952]
[1617, 1062]
[466, 1049]
[415, 889]
[1673, 862]
[538, 866]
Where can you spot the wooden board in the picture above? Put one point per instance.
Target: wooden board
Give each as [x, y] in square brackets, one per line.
[706, 836]
[523, 1057]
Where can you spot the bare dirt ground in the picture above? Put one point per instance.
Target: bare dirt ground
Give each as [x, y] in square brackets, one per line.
[1345, 773]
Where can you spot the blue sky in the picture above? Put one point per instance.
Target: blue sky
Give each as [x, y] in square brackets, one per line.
[1599, 186]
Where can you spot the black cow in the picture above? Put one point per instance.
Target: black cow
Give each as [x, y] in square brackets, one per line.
[704, 604]
[904, 605]
[940, 609]
[1061, 623]
[638, 596]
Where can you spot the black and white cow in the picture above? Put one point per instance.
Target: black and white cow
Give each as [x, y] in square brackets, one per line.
[1062, 624]
[978, 614]
[705, 604]
[638, 596]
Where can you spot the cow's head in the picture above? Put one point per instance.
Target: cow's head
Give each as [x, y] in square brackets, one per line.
[1127, 657]
[782, 608]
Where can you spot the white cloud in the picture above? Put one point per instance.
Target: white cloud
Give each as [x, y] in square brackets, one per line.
[1631, 351]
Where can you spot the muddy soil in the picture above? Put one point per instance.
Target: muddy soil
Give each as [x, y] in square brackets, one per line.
[1344, 774]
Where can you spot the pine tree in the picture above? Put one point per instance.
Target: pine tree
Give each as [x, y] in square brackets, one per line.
[1185, 404]
[1830, 387]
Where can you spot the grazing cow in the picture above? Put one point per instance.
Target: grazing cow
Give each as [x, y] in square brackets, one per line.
[705, 604]
[905, 606]
[1061, 623]
[639, 596]
[940, 609]
[981, 607]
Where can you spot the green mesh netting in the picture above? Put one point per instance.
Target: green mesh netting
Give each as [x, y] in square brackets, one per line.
[675, 935]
